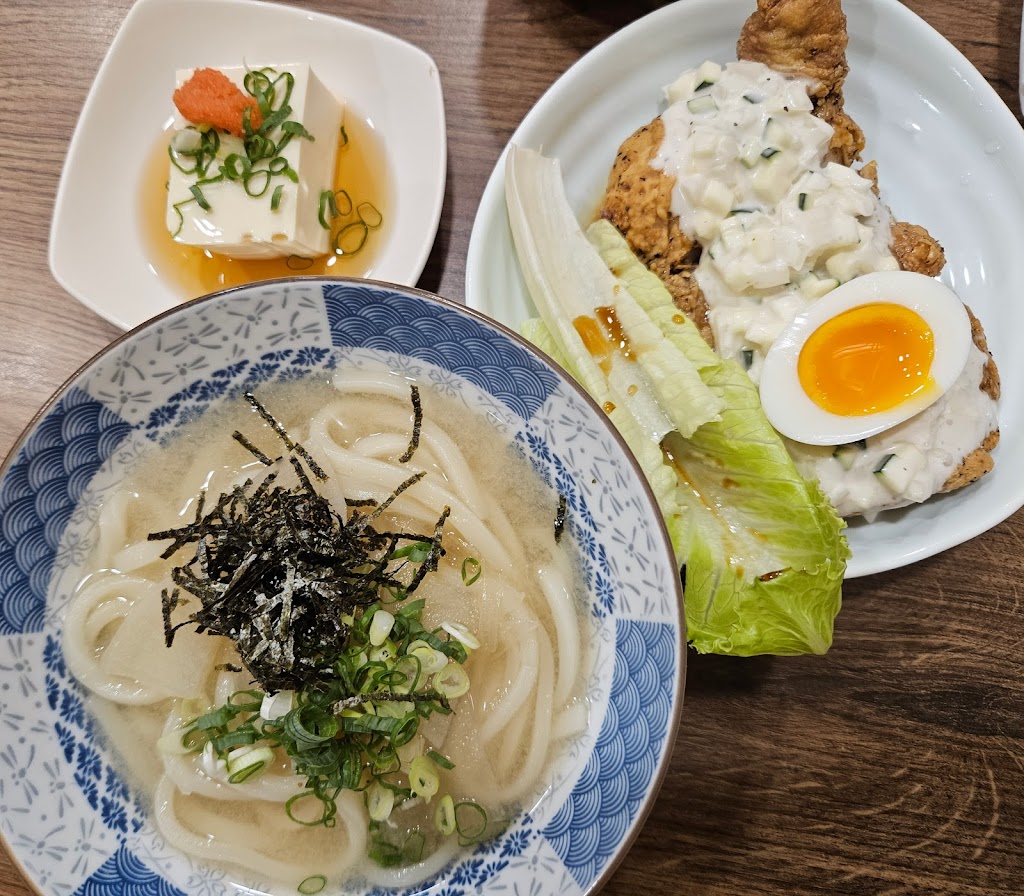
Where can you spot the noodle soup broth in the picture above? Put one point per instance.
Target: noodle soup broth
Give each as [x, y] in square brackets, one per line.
[505, 585]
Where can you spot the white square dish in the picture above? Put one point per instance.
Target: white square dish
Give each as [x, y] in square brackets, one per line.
[97, 228]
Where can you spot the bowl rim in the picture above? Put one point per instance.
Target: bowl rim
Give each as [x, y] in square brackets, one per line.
[672, 723]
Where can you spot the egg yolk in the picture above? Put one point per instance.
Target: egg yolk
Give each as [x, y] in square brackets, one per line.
[867, 359]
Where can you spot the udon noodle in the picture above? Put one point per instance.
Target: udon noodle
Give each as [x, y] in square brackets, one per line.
[524, 611]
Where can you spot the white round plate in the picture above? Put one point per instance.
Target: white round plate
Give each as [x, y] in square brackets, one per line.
[391, 84]
[950, 157]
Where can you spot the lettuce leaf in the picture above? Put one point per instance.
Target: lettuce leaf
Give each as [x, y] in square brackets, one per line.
[763, 550]
[765, 555]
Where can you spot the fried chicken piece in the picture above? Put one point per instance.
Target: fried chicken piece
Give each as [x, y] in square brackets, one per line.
[807, 38]
[974, 466]
[979, 461]
[638, 202]
[916, 249]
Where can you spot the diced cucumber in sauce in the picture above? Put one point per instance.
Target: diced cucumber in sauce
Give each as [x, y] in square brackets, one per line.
[897, 469]
[750, 155]
[814, 287]
[701, 104]
[708, 73]
[775, 133]
[847, 454]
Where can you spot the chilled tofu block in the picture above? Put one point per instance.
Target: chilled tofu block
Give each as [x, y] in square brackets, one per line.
[268, 208]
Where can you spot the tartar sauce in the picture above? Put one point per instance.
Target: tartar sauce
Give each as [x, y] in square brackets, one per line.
[779, 228]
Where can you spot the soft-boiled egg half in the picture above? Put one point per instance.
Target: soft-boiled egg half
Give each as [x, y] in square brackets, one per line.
[864, 357]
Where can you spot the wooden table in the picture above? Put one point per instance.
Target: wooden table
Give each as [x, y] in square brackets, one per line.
[893, 765]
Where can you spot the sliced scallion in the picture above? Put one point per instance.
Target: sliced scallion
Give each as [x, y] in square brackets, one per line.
[197, 194]
[312, 885]
[452, 681]
[257, 182]
[471, 570]
[343, 203]
[423, 778]
[351, 238]
[296, 128]
[470, 821]
[444, 815]
[440, 760]
[369, 214]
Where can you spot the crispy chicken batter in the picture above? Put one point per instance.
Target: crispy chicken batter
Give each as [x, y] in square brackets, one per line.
[638, 202]
[806, 38]
[916, 249]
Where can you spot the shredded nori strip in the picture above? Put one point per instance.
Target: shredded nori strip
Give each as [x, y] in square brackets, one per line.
[417, 425]
[560, 517]
[280, 430]
[252, 449]
[277, 568]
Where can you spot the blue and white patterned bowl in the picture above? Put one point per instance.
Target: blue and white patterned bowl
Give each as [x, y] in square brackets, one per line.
[67, 816]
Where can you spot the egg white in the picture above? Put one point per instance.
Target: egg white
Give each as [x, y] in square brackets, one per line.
[794, 414]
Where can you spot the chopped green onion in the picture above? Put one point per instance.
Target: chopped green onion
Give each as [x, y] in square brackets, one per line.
[416, 552]
[343, 203]
[259, 147]
[452, 681]
[173, 743]
[236, 166]
[275, 197]
[440, 760]
[181, 218]
[381, 627]
[471, 570]
[444, 815]
[328, 808]
[257, 182]
[312, 885]
[278, 165]
[351, 238]
[474, 827]
[380, 800]
[246, 762]
[294, 127]
[344, 136]
[278, 117]
[328, 209]
[461, 634]
[245, 736]
[369, 214]
[423, 779]
[197, 194]
[431, 660]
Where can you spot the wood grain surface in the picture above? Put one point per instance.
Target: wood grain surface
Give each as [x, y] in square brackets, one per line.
[895, 764]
